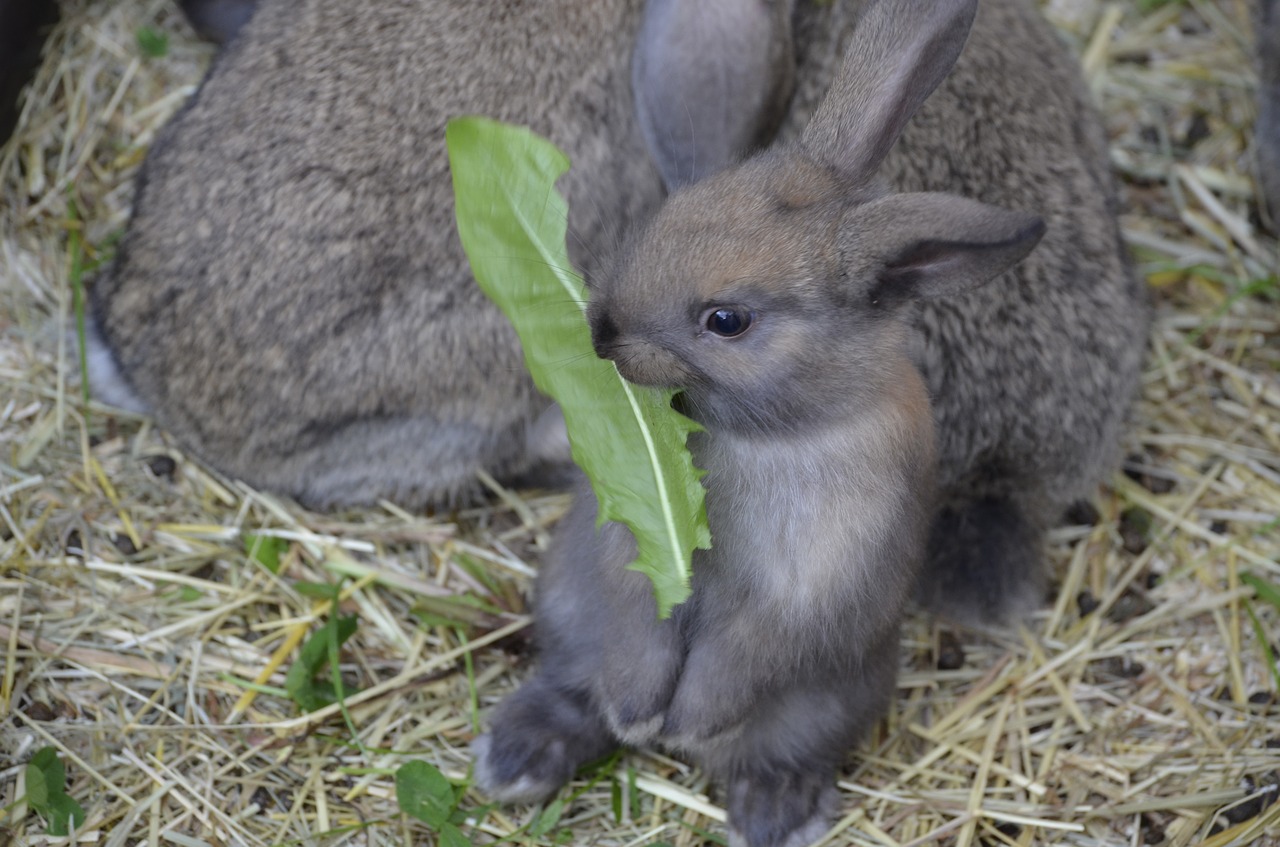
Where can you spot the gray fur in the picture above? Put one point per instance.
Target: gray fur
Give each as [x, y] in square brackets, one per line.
[218, 20]
[1267, 131]
[291, 300]
[1031, 378]
[818, 447]
[712, 80]
[304, 319]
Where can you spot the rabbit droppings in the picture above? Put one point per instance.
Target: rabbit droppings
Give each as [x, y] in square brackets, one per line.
[291, 300]
[788, 298]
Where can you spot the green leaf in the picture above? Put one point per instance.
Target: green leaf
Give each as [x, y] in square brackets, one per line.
[547, 819]
[317, 590]
[633, 791]
[41, 776]
[266, 550]
[1265, 590]
[451, 836]
[426, 794]
[64, 813]
[1267, 653]
[46, 779]
[301, 683]
[153, 44]
[615, 799]
[626, 438]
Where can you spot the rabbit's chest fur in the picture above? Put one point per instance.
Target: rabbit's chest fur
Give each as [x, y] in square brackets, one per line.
[793, 520]
[807, 527]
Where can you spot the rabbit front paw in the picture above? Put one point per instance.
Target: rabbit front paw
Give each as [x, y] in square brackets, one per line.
[540, 736]
[780, 808]
[639, 682]
[712, 702]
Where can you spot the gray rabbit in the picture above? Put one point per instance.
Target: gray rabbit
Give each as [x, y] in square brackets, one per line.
[291, 300]
[779, 295]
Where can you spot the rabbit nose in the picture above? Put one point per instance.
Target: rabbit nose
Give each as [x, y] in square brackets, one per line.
[604, 332]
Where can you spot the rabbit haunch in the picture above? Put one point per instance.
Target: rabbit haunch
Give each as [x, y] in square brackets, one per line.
[291, 300]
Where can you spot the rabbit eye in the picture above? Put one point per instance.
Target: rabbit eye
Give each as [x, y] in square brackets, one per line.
[729, 321]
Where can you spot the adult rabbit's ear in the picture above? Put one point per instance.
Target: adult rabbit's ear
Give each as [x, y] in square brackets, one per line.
[712, 80]
[900, 51]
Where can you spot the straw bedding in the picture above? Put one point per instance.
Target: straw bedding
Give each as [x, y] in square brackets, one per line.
[141, 640]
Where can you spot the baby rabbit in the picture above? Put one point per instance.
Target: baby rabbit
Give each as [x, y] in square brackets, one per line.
[291, 300]
[779, 296]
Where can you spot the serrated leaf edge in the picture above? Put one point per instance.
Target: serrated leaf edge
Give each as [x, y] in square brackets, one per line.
[567, 281]
[667, 516]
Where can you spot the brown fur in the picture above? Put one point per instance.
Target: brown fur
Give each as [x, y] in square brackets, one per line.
[291, 299]
[1031, 378]
[818, 447]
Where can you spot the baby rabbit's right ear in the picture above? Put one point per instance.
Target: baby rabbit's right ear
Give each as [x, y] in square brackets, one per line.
[900, 51]
[931, 245]
[712, 79]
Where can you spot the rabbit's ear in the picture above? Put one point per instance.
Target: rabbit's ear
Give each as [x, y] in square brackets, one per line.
[898, 54]
[711, 79]
[931, 245]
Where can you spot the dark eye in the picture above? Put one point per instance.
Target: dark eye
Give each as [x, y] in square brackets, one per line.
[729, 321]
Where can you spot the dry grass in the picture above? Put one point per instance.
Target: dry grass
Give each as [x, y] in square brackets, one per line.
[137, 637]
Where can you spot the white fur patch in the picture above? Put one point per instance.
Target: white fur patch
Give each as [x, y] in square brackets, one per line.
[106, 383]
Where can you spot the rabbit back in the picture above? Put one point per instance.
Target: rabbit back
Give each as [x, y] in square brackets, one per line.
[291, 299]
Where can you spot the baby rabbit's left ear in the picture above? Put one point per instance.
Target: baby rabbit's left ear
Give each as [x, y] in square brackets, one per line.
[712, 79]
[931, 245]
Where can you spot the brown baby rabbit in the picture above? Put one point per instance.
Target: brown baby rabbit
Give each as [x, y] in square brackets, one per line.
[291, 299]
[778, 295]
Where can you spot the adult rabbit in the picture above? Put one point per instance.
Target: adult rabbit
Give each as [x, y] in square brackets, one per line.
[1031, 378]
[291, 300]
